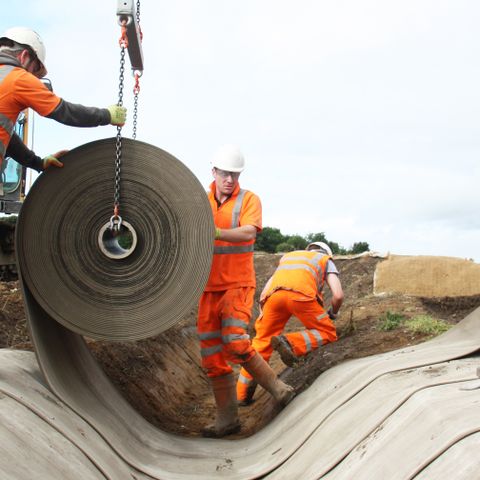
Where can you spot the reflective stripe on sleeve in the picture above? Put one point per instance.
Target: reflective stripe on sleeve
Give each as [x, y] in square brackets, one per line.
[6, 123]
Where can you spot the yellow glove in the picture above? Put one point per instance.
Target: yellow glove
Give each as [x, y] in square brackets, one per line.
[53, 160]
[118, 115]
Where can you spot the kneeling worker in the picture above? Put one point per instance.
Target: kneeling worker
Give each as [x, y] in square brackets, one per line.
[295, 289]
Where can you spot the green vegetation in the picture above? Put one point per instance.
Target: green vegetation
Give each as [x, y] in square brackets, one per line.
[284, 247]
[390, 321]
[12, 219]
[272, 240]
[423, 324]
[427, 325]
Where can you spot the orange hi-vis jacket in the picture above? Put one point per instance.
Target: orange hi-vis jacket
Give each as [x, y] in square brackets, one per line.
[301, 271]
[232, 265]
[19, 90]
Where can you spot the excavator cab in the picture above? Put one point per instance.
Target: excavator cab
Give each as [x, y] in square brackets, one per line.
[12, 176]
[12, 194]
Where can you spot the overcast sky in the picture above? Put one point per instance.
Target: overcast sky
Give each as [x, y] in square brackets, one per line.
[360, 119]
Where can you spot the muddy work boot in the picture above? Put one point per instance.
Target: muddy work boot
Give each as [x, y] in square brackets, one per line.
[281, 345]
[263, 374]
[226, 420]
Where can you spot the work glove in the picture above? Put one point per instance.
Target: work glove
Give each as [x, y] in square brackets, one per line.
[118, 115]
[330, 313]
[53, 160]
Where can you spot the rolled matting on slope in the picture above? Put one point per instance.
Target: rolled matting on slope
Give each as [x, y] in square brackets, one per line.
[109, 298]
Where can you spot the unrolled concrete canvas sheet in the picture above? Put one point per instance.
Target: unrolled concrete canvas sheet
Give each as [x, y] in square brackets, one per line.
[355, 420]
[412, 437]
[460, 462]
[74, 375]
[47, 431]
[31, 449]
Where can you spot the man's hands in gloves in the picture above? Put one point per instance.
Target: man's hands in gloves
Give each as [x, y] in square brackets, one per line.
[118, 115]
[53, 160]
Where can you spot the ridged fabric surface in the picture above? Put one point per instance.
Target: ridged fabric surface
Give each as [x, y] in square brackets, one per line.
[116, 299]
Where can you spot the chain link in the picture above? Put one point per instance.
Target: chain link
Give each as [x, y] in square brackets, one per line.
[118, 160]
[116, 220]
[138, 12]
[135, 112]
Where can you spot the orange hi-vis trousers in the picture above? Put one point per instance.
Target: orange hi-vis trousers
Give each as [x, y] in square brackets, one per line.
[223, 319]
[277, 310]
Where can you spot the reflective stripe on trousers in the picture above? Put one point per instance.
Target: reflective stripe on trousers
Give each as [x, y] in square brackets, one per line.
[278, 309]
[223, 319]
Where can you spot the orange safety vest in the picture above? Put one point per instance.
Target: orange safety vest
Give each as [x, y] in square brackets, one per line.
[19, 90]
[301, 271]
[232, 265]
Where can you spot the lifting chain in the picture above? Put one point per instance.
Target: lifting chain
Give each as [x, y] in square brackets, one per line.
[116, 219]
[136, 91]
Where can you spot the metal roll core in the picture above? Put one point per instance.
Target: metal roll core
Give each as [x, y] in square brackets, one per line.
[117, 242]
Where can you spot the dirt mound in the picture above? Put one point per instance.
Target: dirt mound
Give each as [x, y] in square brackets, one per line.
[161, 376]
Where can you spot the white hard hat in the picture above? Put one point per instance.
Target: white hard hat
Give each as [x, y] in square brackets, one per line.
[320, 246]
[229, 158]
[30, 38]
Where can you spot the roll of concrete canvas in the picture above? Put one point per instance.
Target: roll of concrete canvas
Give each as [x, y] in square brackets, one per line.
[78, 273]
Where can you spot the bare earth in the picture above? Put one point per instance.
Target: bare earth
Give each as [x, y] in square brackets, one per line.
[161, 376]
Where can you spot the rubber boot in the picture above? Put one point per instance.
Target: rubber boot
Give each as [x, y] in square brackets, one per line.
[263, 374]
[281, 345]
[226, 420]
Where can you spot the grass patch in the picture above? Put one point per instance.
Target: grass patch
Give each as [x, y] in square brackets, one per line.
[390, 321]
[427, 325]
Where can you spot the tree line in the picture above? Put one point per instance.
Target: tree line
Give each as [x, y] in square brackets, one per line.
[271, 240]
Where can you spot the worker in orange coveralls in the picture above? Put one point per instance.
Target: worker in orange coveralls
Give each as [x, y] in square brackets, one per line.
[22, 64]
[226, 304]
[295, 288]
